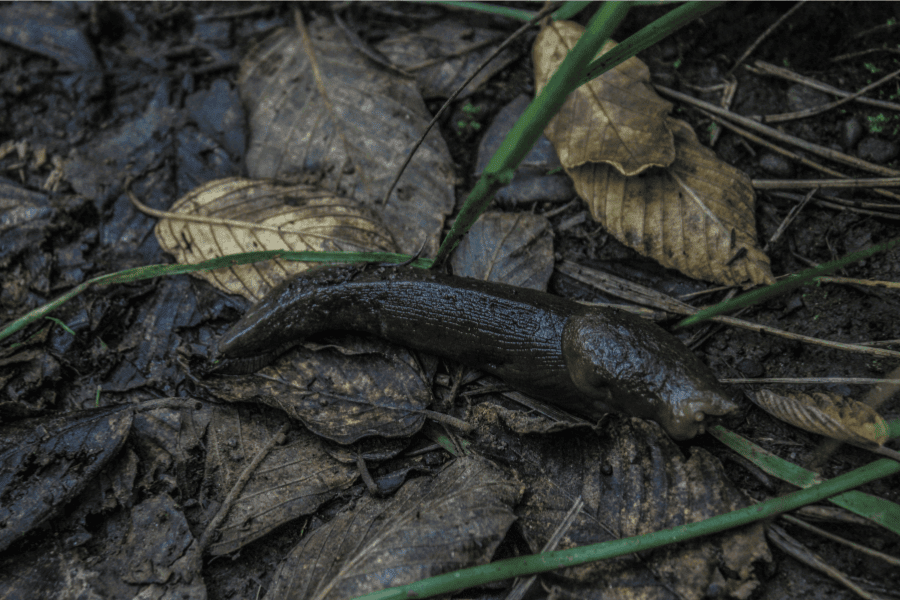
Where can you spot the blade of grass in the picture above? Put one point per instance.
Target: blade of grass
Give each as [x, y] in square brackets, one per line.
[519, 141]
[647, 36]
[877, 510]
[784, 286]
[503, 11]
[151, 271]
[549, 561]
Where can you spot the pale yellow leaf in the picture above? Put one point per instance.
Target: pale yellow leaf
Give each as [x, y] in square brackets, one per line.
[828, 414]
[246, 215]
[695, 216]
[616, 119]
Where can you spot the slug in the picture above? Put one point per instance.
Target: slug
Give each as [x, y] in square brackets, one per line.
[587, 360]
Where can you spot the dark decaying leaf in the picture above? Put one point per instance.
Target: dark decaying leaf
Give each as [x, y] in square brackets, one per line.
[62, 575]
[825, 413]
[633, 480]
[442, 56]
[158, 542]
[25, 218]
[48, 30]
[429, 527]
[28, 380]
[361, 388]
[265, 215]
[513, 248]
[169, 439]
[45, 462]
[355, 150]
[293, 480]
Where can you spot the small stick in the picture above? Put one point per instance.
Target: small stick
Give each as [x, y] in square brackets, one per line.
[763, 68]
[789, 139]
[764, 35]
[521, 30]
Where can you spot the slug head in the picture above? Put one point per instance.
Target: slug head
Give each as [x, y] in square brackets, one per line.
[264, 330]
[642, 371]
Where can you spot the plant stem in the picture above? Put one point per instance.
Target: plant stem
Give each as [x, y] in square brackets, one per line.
[548, 561]
[531, 124]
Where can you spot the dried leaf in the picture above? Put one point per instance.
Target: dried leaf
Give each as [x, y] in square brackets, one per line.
[633, 480]
[696, 216]
[514, 248]
[828, 414]
[356, 141]
[293, 480]
[265, 215]
[429, 527]
[45, 462]
[362, 388]
[445, 54]
[616, 119]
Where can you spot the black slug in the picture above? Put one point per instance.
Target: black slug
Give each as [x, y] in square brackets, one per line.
[587, 360]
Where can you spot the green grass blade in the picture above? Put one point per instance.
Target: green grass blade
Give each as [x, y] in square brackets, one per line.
[502, 11]
[877, 510]
[569, 10]
[788, 284]
[647, 36]
[151, 271]
[519, 141]
[549, 561]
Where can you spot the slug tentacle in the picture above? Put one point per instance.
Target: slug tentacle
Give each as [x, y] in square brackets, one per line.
[585, 359]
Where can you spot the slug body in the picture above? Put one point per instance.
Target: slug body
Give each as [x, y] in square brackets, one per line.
[587, 360]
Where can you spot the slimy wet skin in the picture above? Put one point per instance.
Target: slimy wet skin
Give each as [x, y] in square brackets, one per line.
[587, 360]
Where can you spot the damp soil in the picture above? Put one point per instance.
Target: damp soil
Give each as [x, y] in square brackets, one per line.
[145, 68]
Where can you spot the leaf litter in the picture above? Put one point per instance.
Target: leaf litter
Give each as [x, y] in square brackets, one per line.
[351, 142]
[350, 171]
[633, 480]
[646, 177]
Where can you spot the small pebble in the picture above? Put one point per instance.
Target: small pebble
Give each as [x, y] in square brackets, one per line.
[877, 150]
[851, 133]
[777, 165]
[800, 97]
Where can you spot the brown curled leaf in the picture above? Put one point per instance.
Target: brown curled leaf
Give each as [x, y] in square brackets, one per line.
[695, 216]
[47, 461]
[616, 119]
[246, 215]
[360, 388]
[828, 414]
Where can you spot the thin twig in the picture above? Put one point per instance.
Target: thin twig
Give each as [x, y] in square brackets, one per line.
[841, 204]
[764, 35]
[809, 112]
[659, 300]
[785, 152]
[520, 31]
[763, 68]
[793, 184]
[792, 547]
[239, 485]
[783, 137]
[892, 560]
[792, 214]
[522, 585]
